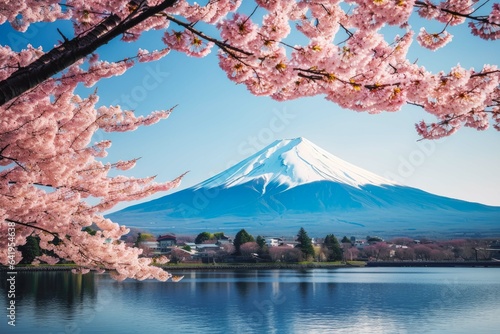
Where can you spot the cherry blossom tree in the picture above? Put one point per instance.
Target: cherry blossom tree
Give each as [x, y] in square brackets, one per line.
[249, 248]
[52, 174]
[350, 253]
[422, 252]
[405, 254]
[285, 254]
[378, 251]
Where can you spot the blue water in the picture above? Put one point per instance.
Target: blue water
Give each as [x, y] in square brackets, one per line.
[357, 300]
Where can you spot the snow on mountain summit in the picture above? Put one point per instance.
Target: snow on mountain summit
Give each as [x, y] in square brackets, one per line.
[293, 183]
[290, 163]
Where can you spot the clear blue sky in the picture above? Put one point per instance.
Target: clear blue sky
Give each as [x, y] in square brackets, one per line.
[218, 123]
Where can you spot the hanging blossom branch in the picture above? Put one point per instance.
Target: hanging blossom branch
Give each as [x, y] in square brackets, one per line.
[484, 26]
[238, 54]
[228, 48]
[479, 18]
[451, 122]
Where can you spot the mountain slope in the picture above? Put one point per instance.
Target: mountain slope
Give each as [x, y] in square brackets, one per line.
[293, 183]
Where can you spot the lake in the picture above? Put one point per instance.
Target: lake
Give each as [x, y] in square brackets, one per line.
[345, 300]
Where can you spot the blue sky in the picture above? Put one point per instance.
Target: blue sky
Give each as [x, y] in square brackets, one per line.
[218, 123]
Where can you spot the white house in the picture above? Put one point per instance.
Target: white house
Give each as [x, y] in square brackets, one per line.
[359, 244]
[273, 242]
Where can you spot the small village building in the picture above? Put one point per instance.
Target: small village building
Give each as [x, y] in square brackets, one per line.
[207, 252]
[204, 248]
[273, 242]
[224, 240]
[191, 245]
[166, 241]
[359, 244]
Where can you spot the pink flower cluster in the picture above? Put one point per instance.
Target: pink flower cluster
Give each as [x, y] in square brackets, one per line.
[187, 42]
[433, 41]
[364, 72]
[211, 13]
[145, 56]
[488, 30]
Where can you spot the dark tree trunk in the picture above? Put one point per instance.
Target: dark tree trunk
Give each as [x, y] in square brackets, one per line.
[66, 54]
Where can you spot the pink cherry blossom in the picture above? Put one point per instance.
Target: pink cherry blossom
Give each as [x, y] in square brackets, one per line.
[433, 41]
[146, 56]
[239, 29]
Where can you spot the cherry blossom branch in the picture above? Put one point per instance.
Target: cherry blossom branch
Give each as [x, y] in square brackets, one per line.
[322, 75]
[223, 45]
[32, 226]
[85, 11]
[479, 7]
[16, 161]
[415, 104]
[227, 48]
[251, 14]
[483, 19]
[483, 74]
[347, 31]
[68, 53]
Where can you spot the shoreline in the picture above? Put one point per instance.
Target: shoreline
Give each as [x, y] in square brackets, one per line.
[435, 264]
[220, 266]
[264, 266]
[273, 266]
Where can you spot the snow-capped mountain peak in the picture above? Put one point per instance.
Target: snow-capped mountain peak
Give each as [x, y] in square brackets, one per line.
[290, 163]
[293, 183]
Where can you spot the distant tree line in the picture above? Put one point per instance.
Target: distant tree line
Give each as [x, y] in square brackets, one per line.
[406, 249]
[374, 249]
[245, 247]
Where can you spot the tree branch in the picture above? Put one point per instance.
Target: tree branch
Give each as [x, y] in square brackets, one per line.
[224, 46]
[452, 12]
[69, 52]
[32, 226]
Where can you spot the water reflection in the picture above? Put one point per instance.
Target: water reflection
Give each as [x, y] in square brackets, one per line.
[274, 301]
[49, 295]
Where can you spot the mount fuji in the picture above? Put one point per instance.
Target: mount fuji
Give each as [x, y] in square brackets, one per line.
[293, 183]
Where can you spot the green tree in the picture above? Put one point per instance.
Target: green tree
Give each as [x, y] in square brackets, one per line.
[218, 235]
[30, 249]
[138, 239]
[203, 236]
[241, 237]
[371, 239]
[345, 240]
[305, 243]
[333, 246]
[187, 248]
[143, 237]
[260, 241]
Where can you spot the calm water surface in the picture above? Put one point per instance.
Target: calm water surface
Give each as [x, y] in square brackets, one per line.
[359, 300]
